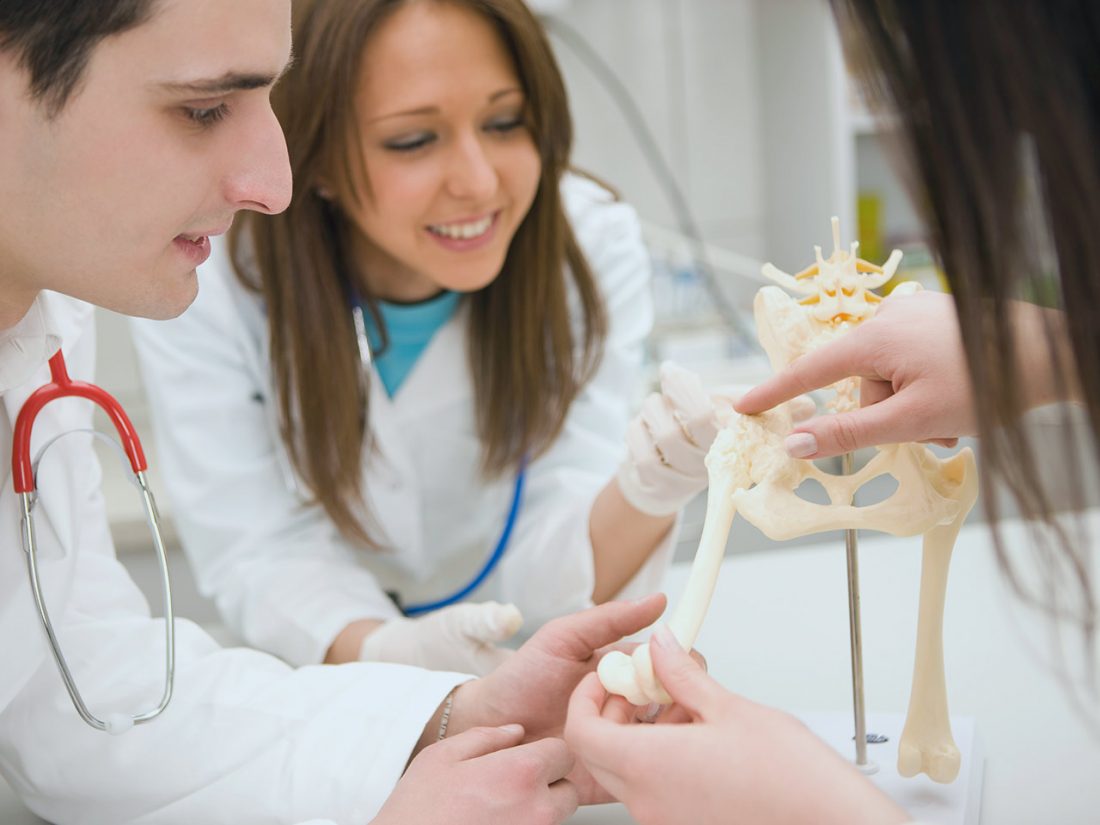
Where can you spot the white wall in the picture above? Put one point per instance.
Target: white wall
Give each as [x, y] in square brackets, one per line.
[691, 66]
[804, 117]
[748, 102]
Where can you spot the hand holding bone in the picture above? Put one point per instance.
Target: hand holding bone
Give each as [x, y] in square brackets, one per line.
[533, 687]
[727, 754]
[667, 441]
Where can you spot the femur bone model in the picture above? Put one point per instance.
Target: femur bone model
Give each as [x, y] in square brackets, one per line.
[751, 474]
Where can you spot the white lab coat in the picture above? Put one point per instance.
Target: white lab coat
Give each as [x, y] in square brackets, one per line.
[281, 575]
[245, 739]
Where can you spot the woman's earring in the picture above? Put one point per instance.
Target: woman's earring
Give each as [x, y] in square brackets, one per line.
[323, 192]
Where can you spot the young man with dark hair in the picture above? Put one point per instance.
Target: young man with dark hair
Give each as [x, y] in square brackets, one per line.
[130, 132]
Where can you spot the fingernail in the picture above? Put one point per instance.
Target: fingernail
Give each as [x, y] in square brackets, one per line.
[663, 638]
[650, 713]
[801, 445]
[512, 728]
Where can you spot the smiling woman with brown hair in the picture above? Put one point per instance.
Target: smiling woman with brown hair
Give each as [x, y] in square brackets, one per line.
[428, 359]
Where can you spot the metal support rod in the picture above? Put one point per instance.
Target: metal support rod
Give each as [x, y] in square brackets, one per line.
[855, 634]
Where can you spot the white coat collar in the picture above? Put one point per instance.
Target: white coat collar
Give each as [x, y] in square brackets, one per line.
[25, 350]
[28, 345]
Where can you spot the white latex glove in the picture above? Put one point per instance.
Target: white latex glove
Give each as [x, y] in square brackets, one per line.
[462, 638]
[668, 440]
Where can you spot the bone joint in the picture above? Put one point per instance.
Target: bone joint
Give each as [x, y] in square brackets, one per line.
[750, 473]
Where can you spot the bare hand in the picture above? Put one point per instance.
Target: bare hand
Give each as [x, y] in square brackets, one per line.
[732, 755]
[485, 775]
[533, 686]
[915, 385]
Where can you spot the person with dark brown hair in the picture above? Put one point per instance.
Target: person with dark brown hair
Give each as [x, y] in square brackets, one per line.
[996, 109]
[426, 362]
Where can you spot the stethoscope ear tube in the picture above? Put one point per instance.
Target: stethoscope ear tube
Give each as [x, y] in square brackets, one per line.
[61, 386]
[25, 474]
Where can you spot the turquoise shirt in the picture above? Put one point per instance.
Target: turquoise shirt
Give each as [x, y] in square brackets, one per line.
[410, 328]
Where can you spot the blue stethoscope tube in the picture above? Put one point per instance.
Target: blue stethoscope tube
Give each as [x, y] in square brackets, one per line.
[491, 563]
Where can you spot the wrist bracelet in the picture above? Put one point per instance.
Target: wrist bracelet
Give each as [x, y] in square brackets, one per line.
[448, 703]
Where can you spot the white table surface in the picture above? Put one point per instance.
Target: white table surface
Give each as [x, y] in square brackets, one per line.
[777, 632]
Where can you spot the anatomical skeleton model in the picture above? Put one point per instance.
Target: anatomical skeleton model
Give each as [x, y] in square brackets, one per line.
[751, 473]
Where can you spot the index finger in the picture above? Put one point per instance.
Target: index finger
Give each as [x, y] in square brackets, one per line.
[845, 357]
[581, 635]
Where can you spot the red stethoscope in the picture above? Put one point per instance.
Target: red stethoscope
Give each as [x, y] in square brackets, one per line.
[24, 473]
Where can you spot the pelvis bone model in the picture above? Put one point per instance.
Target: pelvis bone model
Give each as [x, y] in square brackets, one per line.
[751, 474]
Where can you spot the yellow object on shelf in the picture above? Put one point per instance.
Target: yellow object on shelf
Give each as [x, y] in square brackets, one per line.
[869, 226]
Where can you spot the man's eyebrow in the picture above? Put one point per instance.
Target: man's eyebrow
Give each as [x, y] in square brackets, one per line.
[228, 82]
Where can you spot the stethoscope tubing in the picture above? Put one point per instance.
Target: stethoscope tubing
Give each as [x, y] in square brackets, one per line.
[24, 475]
[365, 360]
[490, 563]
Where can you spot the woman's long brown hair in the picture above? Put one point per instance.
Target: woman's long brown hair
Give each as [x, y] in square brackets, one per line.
[527, 363]
[997, 109]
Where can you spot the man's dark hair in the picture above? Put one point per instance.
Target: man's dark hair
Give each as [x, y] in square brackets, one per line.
[53, 39]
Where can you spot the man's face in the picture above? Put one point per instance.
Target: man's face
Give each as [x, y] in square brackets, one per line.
[167, 136]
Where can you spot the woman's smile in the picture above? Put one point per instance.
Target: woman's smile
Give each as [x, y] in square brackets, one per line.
[465, 235]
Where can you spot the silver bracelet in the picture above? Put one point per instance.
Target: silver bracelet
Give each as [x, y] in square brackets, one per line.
[448, 703]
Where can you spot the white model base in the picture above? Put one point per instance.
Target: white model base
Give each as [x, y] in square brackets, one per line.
[957, 803]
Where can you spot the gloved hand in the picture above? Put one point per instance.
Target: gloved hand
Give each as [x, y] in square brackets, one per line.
[462, 638]
[668, 440]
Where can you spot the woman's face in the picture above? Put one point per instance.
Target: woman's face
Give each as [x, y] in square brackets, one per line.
[451, 168]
